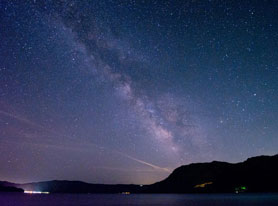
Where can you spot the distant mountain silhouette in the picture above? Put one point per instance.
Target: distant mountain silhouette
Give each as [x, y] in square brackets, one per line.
[64, 186]
[257, 174]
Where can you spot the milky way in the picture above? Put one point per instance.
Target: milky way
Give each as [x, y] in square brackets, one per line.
[126, 91]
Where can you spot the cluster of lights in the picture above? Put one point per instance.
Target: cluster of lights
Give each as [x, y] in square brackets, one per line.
[126, 193]
[203, 185]
[35, 192]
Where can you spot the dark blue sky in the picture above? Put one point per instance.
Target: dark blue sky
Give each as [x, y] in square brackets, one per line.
[126, 91]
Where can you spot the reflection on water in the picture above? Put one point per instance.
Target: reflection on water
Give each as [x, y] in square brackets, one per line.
[15, 199]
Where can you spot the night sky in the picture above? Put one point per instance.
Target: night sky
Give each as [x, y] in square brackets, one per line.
[126, 91]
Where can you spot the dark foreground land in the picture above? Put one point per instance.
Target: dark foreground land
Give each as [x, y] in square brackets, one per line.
[257, 174]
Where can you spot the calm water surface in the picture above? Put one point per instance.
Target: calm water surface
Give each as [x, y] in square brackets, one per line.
[9, 199]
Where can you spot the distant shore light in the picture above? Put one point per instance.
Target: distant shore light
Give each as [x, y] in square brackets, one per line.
[34, 192]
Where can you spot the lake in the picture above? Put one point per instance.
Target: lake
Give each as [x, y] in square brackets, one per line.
[16, 199]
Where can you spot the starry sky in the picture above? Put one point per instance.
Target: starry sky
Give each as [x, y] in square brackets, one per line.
[125, 91]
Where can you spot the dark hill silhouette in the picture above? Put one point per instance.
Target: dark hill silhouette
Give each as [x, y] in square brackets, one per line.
[9, 189]
[257, 174]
